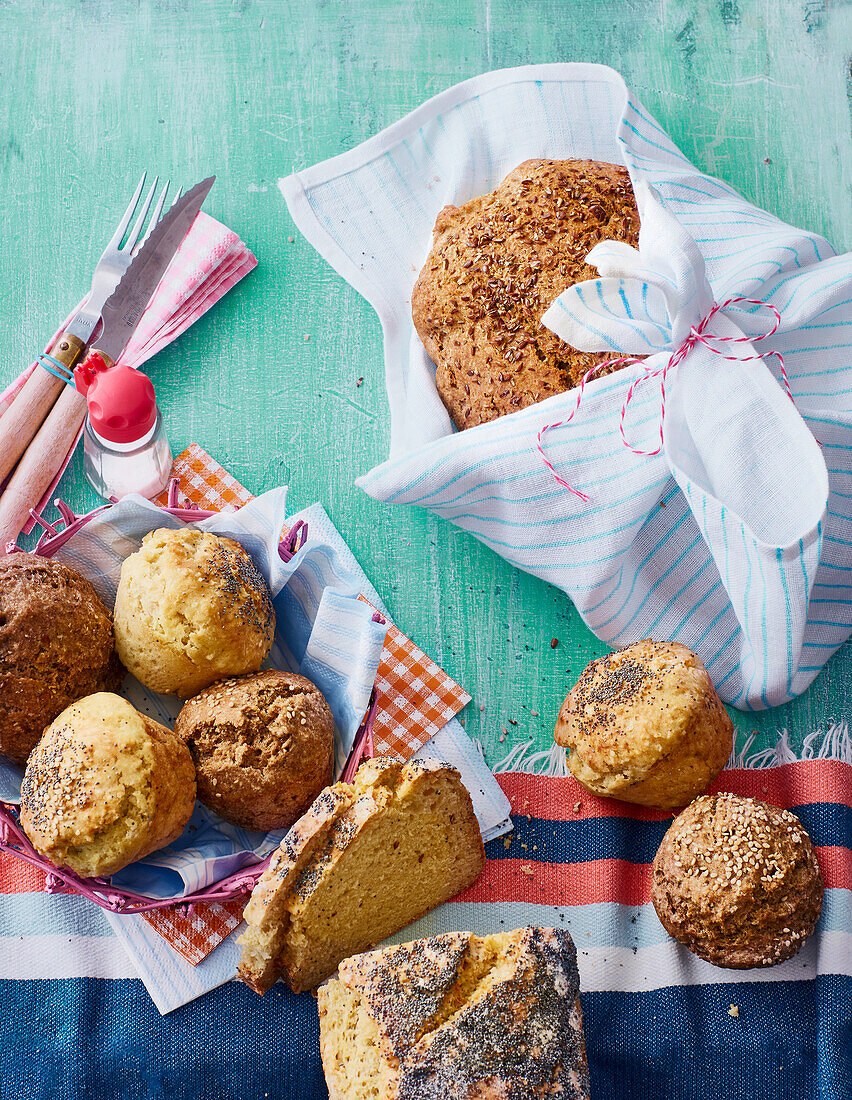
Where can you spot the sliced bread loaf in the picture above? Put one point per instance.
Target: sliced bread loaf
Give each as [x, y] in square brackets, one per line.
[462, 1016]
[362, 863]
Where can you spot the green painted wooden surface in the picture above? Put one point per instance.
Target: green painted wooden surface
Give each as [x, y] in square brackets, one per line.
[94, 90]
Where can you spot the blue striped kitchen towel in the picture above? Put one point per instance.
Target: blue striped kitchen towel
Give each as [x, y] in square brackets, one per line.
[736, 539]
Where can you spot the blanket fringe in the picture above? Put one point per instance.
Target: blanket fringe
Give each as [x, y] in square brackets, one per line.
[525, 758]
[834, 743]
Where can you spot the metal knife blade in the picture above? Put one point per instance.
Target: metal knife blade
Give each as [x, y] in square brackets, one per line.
[123, 310]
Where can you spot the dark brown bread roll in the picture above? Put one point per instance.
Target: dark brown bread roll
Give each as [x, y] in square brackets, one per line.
[263, 747]
[56, 645]
[497, 263]
[737, 882]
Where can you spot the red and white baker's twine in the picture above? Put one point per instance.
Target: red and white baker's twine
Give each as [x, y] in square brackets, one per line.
[698, 334]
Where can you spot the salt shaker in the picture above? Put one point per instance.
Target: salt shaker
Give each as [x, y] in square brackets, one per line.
[125, 449]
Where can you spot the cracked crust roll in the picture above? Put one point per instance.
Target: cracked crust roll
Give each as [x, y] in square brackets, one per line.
[105, 786]
[645, 725]
[737, 882]
[262, 745]
[191, 608]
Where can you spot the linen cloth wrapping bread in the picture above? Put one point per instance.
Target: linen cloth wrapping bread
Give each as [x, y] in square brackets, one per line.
[659, 1021]
[746, 563]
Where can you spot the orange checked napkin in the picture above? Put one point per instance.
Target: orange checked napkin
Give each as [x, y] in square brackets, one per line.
[416, 698]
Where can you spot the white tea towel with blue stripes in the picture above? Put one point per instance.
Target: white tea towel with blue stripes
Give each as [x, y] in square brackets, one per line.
[323, 631]
[736, 538]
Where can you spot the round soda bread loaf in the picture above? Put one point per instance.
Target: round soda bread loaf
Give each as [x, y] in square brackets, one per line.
[105, 786]
[497, 264]
[56, 645]
[644, 724]
[457, 1016]
[191, 608]
[737, 882]
[262, 745]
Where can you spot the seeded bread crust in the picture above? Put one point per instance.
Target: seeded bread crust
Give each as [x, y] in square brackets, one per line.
[644, 724]
[462, 1016]
[316, 850]
[737, 882]
[263, 747]
[497, 264]
[191, 608]
[56, 646]
[106, 785]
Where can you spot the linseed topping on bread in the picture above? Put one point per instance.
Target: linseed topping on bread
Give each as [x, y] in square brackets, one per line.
[737, 882]
[497, 263]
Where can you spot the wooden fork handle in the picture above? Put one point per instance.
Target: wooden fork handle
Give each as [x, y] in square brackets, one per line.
[40, 464]
[21, 420]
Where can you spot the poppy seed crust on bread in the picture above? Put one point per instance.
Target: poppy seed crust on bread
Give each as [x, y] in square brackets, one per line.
[457, 1016]
[106, 785]
[644, 724]
[191, 608]
[496, 265]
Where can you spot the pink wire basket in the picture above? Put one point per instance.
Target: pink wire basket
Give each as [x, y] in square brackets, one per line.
[100, 890]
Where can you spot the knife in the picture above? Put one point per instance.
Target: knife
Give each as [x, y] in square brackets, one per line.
[30, 405]
[123, 310]
[121, 313]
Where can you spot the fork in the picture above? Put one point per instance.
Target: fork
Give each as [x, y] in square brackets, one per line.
[23, 416]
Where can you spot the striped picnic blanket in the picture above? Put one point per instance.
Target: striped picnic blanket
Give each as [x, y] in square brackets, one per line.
[659, 1022]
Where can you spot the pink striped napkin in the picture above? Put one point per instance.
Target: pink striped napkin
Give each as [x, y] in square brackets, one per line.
[211, 259]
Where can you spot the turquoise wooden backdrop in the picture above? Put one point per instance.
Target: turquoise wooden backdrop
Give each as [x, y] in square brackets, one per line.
[94, 90]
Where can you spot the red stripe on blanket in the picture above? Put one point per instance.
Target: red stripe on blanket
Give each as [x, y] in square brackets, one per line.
[562, 883]
[17, 877]
[600, 880]
[787, 785]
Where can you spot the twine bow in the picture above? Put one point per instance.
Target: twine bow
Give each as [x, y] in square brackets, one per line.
[698, 334]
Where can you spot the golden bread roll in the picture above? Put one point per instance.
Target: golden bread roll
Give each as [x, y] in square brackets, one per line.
[105, 786]
[191, 608]
[644, 724]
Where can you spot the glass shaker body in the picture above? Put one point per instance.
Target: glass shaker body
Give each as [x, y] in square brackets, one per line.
[116, 469]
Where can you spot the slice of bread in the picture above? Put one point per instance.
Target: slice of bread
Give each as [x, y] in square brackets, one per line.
[458, 1015]
[363, 862]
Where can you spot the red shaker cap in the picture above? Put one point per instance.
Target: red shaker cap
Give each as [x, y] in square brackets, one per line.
[121, 400]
